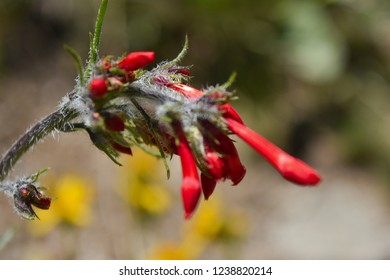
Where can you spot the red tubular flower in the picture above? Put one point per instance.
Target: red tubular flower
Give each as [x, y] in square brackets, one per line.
[136, 60]
[114, 123]
[289, 167]
[98, 88]
[190, 188]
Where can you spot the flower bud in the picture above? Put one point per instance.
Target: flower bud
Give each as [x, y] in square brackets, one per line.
[98, 88]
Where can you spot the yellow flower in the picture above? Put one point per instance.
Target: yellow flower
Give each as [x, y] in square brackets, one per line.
[140, 184]
[72, 197]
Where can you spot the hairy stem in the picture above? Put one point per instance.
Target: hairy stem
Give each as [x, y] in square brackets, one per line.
[54, 121]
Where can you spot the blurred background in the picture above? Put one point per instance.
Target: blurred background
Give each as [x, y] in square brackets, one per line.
[313, 77]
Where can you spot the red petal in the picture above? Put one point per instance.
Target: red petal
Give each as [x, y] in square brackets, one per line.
[234, 170]
[190, 191]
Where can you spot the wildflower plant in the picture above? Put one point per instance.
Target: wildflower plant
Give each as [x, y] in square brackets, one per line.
[120, 104]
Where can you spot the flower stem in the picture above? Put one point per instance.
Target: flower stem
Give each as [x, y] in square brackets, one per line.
[54, 121]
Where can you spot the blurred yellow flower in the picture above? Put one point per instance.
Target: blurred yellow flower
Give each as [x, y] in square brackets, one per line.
[140, 184]
[172, 251]
[72, 198]
[212, 223]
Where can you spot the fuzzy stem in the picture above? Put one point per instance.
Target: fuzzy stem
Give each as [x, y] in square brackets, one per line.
[54, 121]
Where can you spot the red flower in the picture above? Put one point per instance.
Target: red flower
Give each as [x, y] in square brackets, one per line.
[190, 188]
[136, 60]
[289, 167]
[98, 88]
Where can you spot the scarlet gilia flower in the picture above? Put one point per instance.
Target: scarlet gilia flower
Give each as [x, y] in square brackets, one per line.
[289, 167]
[160, 110]
[136, 60]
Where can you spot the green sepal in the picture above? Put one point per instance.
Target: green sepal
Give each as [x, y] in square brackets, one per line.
[180, 56]
[34, 177]
[103, 144]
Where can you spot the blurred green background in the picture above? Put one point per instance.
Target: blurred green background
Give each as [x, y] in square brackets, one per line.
[313, 77]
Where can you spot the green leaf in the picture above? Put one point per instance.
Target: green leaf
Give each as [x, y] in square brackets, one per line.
[77, 59]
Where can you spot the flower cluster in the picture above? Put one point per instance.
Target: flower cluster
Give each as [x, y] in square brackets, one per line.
[121, 105]
[130, 106]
